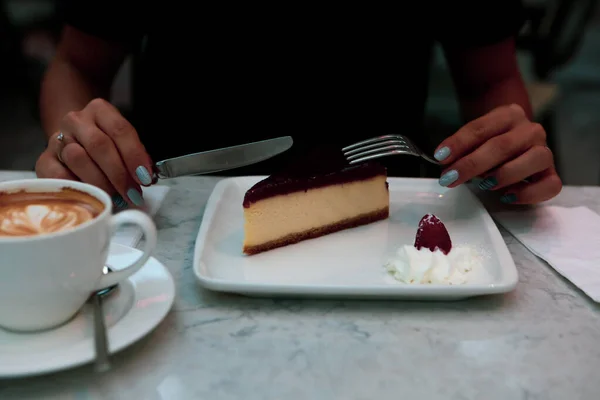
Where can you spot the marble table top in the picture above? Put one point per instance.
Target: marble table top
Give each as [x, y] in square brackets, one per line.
[541, 341]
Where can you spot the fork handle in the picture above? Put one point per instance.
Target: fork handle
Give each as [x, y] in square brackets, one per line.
[431, 160]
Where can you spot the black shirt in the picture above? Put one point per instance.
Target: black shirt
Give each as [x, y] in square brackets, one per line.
[218, 74]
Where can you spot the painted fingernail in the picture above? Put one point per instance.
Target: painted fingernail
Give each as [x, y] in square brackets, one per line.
[488, 183]
[135, 197]
[143, 175]
[119, 202]
[449, 177]
[442, 154]
[508, 198]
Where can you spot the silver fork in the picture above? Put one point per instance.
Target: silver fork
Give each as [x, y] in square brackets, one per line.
[383, 146]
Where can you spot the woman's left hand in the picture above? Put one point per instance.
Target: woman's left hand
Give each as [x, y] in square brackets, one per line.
[504, 148]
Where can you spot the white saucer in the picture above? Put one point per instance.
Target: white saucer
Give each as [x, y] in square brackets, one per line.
[132, 311]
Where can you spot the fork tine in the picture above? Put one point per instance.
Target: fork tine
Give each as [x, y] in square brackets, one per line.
[383, 146]
[411, 145]
[369, 141]
[398, 149]
[376, 145]
[364, 158]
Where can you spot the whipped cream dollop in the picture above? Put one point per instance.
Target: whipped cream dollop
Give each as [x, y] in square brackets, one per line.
[35, 219]
[424, 266]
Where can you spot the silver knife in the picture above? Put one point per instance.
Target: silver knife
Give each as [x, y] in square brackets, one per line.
[223, 159]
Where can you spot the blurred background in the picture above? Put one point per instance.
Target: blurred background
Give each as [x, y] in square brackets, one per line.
[558, 54]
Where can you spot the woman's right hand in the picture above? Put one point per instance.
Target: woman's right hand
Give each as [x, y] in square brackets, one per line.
[100, 147]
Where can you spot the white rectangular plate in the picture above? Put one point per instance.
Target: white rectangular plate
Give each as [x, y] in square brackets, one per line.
[350, 263]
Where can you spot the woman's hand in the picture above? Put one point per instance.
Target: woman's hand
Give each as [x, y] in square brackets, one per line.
[504, 148]
[97, 145]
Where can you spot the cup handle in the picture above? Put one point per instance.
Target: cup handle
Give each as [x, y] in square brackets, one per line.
[142, 220]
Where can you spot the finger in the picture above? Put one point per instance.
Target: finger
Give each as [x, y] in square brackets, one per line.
[57, 142]
[478, 131]
[544, 186]
[48, 166]
[105, 155]
[79, 162]
[493, 153]
[72, 158]
[534, 160]
[125, 137]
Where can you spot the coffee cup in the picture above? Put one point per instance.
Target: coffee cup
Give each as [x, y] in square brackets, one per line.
[54, 240]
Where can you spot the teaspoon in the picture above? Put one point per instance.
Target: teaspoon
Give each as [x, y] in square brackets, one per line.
[100, 335]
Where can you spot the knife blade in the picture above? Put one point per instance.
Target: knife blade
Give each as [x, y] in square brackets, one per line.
[223, 159]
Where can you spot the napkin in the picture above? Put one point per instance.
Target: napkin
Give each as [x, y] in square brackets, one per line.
[566, 238]
[131, 235]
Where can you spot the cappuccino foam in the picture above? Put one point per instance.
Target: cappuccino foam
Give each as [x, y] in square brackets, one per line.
[36, 213]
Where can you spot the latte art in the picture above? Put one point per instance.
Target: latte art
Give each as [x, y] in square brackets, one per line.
[31, 214]
[43, 218]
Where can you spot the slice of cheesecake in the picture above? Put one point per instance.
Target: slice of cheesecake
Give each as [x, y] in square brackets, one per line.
[321, 195]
